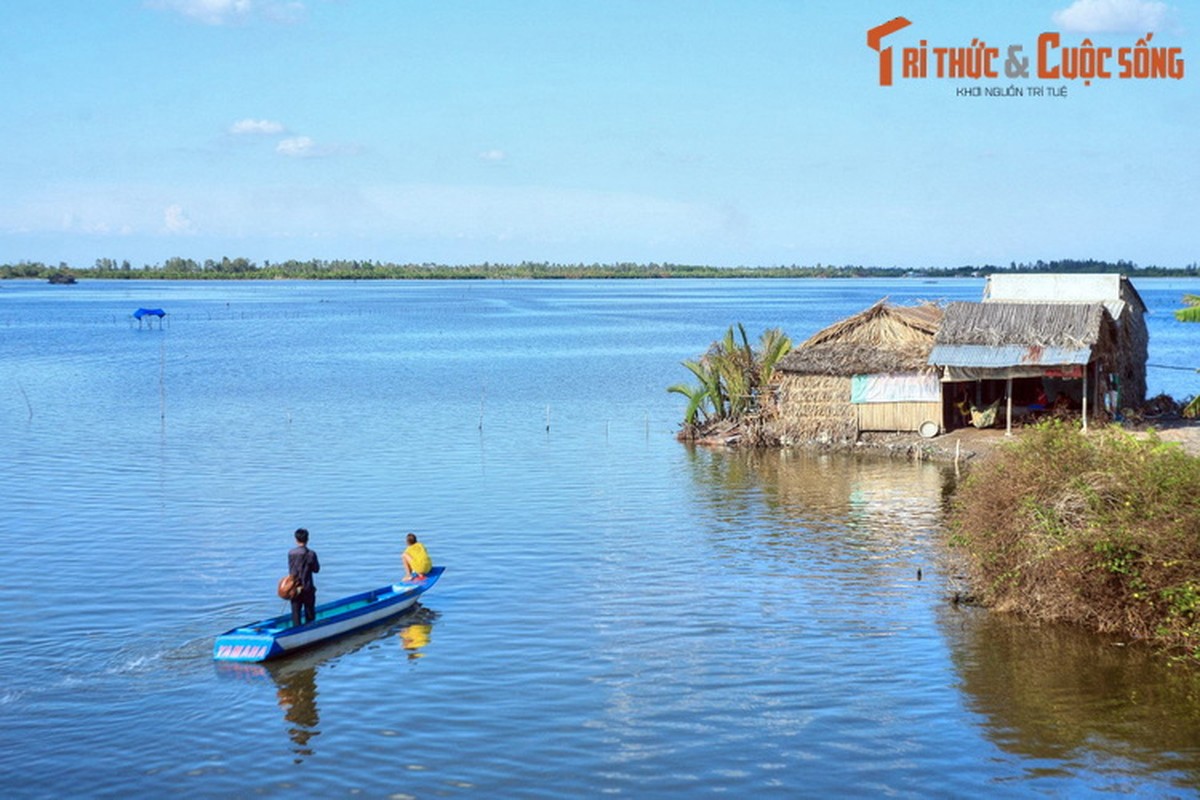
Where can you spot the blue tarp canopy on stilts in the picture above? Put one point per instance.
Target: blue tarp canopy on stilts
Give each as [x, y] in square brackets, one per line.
[149, 312]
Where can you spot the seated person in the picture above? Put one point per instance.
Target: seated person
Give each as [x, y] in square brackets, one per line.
[417, 563]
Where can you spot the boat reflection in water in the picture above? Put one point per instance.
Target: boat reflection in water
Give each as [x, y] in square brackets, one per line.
[295, 676]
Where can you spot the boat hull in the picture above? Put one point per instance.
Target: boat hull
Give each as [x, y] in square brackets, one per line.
[275, 637]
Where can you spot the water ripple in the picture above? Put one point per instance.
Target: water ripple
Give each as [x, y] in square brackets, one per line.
[621, 615]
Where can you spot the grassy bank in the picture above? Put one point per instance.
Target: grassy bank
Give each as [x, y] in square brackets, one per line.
[1100, 530]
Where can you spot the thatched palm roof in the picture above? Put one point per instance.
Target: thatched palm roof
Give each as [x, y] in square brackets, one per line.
[998, 339]
[882, 339]
[991, 324]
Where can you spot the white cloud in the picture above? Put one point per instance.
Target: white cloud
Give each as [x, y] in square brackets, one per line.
[226, 12]
[256, 126]
[287, 13]
[297, 147]
[1114, 16]
[208, 12]
[493, 155]
[177, 221]
[307, 147]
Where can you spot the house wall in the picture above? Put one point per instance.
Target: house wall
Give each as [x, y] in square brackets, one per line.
[818, 408]
[1133, 345]
[815, 408]
[1063, 287]
[897, 416]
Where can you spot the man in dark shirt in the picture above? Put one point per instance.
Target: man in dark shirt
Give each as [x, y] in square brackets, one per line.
[302, 563]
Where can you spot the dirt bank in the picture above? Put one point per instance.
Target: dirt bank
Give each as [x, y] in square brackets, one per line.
[1184, 431]
[970, 443]
[962, 445]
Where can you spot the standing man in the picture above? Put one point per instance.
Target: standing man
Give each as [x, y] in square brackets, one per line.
[302, 563]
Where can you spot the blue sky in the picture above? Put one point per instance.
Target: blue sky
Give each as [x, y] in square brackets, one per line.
[702, 132]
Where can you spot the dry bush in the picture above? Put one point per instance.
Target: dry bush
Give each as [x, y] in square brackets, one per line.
[1100, 529]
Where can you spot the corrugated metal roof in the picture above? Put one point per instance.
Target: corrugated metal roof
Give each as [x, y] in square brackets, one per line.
[1006, 355]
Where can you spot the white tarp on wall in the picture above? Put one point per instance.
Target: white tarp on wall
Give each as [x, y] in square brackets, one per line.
[896, 388]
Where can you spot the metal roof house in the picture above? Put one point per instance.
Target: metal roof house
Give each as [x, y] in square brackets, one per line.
[1037, 341]
[1120, 299]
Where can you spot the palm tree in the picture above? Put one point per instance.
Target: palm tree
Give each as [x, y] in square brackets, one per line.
[1190, 313]
[732, 363]
[703, 400]
[732, 374]
[773, 346]
[1191, 309]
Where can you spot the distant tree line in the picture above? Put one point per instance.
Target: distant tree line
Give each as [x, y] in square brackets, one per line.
[342, 269]
[1092, 265]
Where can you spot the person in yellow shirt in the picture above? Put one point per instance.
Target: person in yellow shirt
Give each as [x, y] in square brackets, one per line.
[417, 563]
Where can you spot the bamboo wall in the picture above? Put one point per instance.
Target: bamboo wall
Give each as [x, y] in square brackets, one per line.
[815, 408]
[906, 416]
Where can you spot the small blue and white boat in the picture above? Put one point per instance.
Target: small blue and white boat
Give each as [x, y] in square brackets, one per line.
[276, 636]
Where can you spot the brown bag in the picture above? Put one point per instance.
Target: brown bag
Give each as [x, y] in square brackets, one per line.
[289, 587]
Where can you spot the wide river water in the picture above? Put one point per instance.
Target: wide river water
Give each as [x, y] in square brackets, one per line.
[620, 616]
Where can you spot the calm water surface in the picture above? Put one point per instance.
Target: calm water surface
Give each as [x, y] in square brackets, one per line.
[620, 616]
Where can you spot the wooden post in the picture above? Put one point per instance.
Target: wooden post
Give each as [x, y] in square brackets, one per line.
[1008, 411]
[1085, 396]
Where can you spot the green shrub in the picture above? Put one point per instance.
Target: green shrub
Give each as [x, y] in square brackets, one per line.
[1100, 529]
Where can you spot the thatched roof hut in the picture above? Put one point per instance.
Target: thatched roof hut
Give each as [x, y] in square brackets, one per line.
[1003, 340]
[884, 338]
[1052, 350]
[1047, 328]
[866, 372]
[1078, 338]
[1120, 299]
